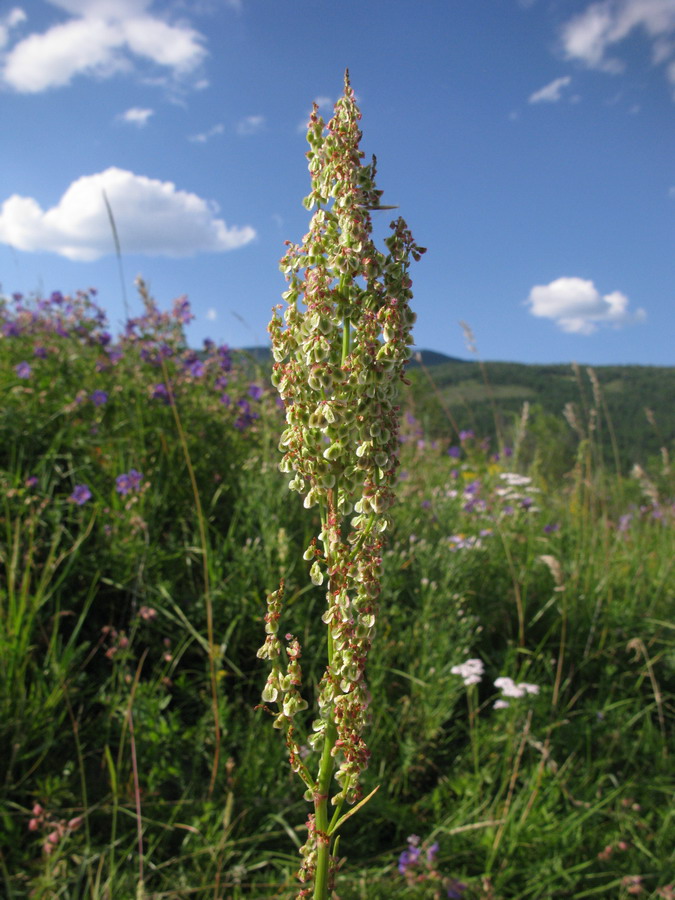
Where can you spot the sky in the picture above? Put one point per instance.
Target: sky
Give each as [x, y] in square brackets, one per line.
[529, 144]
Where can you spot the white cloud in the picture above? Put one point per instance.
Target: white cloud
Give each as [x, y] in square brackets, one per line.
[207, 135]
[137, 116]
[211, 314]
[576, 306]
[593, 34]
[102, 37]
[151, 217]
[13, 18]
[250, 125]
[550, 93]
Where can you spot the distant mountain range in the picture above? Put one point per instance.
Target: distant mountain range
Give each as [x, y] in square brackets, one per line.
[628, 411]
[427, 357]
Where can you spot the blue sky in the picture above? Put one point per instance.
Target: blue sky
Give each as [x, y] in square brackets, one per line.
[529, 144]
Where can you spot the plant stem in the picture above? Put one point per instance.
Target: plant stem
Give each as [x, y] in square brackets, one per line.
[326, 768]
[323, 841]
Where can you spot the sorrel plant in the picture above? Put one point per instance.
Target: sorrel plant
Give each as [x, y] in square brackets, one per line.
[340, 348]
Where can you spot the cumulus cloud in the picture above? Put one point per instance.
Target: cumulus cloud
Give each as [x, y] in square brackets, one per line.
[102, 37]
[550, 93]
[152, 217]
[137, 116]
[250, 125]
[577, 307]
[591, 36]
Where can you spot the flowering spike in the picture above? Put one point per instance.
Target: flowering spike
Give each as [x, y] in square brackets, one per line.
[340, 345]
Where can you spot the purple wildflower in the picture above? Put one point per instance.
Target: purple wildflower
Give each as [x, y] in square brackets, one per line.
[160, 391]
[225, 399]
[23, 370]
[196, 368]
[550, 529]
[31, 481]
[98, 398]
[225, 359]
[40, 352]
[11, 329]
[181, 310]
[80, 495]
[455, 452]
[409, 857]
[456, 889]
[255, 392]
[432, 851]
[128, 481]
[466, 435]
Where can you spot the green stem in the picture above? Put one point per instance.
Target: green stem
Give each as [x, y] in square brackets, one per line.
[322, 794]
[323, 841]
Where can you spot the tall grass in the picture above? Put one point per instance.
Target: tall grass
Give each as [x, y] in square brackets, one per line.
[130, 619]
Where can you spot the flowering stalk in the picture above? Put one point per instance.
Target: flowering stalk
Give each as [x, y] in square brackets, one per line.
[340, 348]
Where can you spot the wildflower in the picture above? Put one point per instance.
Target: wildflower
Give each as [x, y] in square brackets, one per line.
[550, 529]
[455, 452]
[181, 310]
[80, 495]
[501, 704]
[632, 884]
[128, 481]
[513, 479]
[160, 391]
[40, 352]
[510, 689]
[466, 435]
[147, 613]
[410, 856]
[456, 889]
[255, 392]
[470, 671]
[23, 370]
[196, 368]
[99, 398]
[31, 481]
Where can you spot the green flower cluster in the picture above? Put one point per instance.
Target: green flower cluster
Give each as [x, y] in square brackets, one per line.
[340, 347]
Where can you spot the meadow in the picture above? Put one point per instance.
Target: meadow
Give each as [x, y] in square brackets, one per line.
[522, 675]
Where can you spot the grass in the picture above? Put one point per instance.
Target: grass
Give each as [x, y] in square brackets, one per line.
[133, 758]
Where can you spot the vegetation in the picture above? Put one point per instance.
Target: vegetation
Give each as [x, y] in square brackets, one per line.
[634, 415]
[143, 523]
